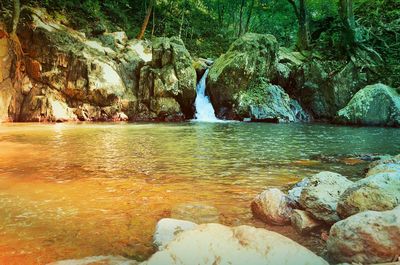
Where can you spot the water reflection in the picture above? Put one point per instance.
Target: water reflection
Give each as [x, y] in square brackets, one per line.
[75, 190]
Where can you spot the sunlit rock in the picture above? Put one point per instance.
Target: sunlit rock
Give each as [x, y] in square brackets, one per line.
[378, 192]
[321, 195]
[217, 244]
[167, 229]
[367, 237]
[272, 206]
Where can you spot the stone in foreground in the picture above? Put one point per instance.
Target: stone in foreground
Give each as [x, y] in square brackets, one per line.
[167, 229]
[379, 192]
[367, 237]
[303, 222]
[211, 244]
[272, 206]
[321, 195]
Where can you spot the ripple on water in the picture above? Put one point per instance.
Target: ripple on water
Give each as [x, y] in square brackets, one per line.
[69, 191]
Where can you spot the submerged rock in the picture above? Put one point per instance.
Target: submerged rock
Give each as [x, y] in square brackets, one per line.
[373, 105]
[217, 244]
[196, 212]
[321, 195]
[272, 206]
[167, 229]
[377, 192]
[250, 57]
[103, 260]
[367, 237]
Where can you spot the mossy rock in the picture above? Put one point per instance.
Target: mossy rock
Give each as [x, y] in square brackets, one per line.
[250, 57]
[373, 105]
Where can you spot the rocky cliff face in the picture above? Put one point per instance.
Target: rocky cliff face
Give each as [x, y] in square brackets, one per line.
[69, 77]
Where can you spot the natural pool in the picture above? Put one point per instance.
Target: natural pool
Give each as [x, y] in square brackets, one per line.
[75, 190]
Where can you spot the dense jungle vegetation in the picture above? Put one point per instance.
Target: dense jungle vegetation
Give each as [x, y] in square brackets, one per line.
[333, 30]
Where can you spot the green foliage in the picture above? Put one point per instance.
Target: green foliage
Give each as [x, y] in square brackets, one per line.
[208, 27]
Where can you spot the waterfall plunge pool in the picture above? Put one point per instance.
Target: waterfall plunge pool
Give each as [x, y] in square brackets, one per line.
[76, 190]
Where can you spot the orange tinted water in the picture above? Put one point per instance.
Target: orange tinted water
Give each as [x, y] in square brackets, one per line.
[76, 190]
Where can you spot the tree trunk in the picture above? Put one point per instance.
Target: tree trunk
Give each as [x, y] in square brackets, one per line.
[250, 13]
[241, 18]
[15, 18]
[181, 26]
[153, 24]
[303, 34]
[221, 9]
[304, 30]
[146, 20]
[349, 25]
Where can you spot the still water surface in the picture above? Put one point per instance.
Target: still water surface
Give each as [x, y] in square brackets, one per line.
[76, 190]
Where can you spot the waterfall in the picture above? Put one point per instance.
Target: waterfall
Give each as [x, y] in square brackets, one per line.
[204, 109]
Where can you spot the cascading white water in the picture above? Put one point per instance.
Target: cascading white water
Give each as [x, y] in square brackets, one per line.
[204, 109]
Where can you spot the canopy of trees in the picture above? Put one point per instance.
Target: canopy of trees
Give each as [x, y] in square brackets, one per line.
[333, 28]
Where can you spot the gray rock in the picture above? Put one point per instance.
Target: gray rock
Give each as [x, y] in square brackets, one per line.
[295, 192]
[272, 206]
[167, 229]
[320, 197]
[217, 244]
[367, 237]
[373, 105]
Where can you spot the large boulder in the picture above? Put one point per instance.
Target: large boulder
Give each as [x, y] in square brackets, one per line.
[367, 237]
[377, 192]
[217, 244]
[321, 195]
[250, 57]
[272, 206]
[322, 87]
[373, 105]
[169, 75]
[266, 102]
